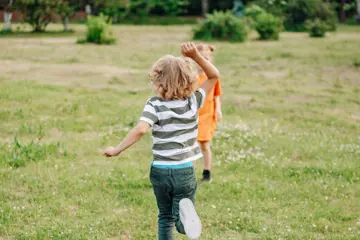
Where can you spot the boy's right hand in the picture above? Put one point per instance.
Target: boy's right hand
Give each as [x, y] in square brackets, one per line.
[189, 50]
[111, 152]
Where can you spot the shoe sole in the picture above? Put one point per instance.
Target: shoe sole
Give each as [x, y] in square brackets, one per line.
[190, 219]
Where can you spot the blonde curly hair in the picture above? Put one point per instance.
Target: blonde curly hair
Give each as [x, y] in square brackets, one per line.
[173, 77]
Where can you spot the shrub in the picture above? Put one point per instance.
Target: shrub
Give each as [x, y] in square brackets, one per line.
[268, 26]
[98, 31]
[317, 28]
[356, 63]
[252, 12]
[222, 26]
[300, 11]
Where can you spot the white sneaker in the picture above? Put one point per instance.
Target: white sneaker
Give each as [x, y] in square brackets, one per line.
[190, 219]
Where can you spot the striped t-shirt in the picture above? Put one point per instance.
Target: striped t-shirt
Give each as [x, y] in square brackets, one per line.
[174, 129]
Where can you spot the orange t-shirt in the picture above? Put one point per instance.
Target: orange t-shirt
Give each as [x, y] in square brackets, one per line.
[207, 114]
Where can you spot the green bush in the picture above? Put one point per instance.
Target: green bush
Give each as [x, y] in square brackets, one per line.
[317, 28]
[252, 12]
[298, 12]
[98, 31]
[268, 26]
[222, 26]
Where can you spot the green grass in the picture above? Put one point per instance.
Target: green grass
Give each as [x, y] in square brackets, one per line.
[286, 157]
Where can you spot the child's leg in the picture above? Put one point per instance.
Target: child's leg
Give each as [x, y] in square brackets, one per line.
[162, 191]
[184, 187]
[206, 151]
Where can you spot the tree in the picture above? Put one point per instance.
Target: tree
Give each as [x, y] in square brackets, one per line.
[38, 13]
[66, 10]
[358, 10]
[112, 8]
[204, 7]
[8, 16]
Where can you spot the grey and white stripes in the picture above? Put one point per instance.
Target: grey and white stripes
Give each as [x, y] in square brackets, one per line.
[175, 128]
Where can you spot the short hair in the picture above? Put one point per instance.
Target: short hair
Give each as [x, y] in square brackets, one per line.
[173, 77]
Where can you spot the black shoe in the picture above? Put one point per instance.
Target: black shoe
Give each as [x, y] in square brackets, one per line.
[206, 176]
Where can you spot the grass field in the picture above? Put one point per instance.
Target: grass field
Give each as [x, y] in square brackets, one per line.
[287, 155]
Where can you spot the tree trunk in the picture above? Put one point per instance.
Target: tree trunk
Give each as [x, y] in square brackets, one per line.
[116, 18]
[342, 11]
[66, 24]
[204, 7]
[7, 21]
[358, 11]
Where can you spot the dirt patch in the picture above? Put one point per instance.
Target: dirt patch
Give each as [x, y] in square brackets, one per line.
[273, 74]
[341, 75]
[300, 98]
[7, 238]
[76, 74]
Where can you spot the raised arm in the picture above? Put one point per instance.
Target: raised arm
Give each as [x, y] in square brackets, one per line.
[212, 73]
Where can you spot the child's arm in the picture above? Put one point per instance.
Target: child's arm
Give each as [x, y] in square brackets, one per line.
[131, 138]
[189, 50]
[218, 108]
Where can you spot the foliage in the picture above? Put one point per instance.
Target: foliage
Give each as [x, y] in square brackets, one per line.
[300, 11]
[67, 9]
[222, 26]
[268, 26]
[275, 7]
[99, 31]
[252, 12]
[38, 13]
[172, 7]
[317, 28]
[113, 8]
[159, 20]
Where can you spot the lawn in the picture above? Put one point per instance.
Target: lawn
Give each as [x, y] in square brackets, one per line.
[286, 156]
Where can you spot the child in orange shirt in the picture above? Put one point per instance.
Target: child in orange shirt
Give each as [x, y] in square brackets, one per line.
[209, 114]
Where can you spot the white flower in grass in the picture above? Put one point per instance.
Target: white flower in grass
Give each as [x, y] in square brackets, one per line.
[314, 225]
[213, 206]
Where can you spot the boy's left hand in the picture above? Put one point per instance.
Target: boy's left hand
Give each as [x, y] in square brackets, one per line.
[111, 152]
[219, 115]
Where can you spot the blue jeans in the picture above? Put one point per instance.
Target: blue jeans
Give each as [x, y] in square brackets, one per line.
[170, 186]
